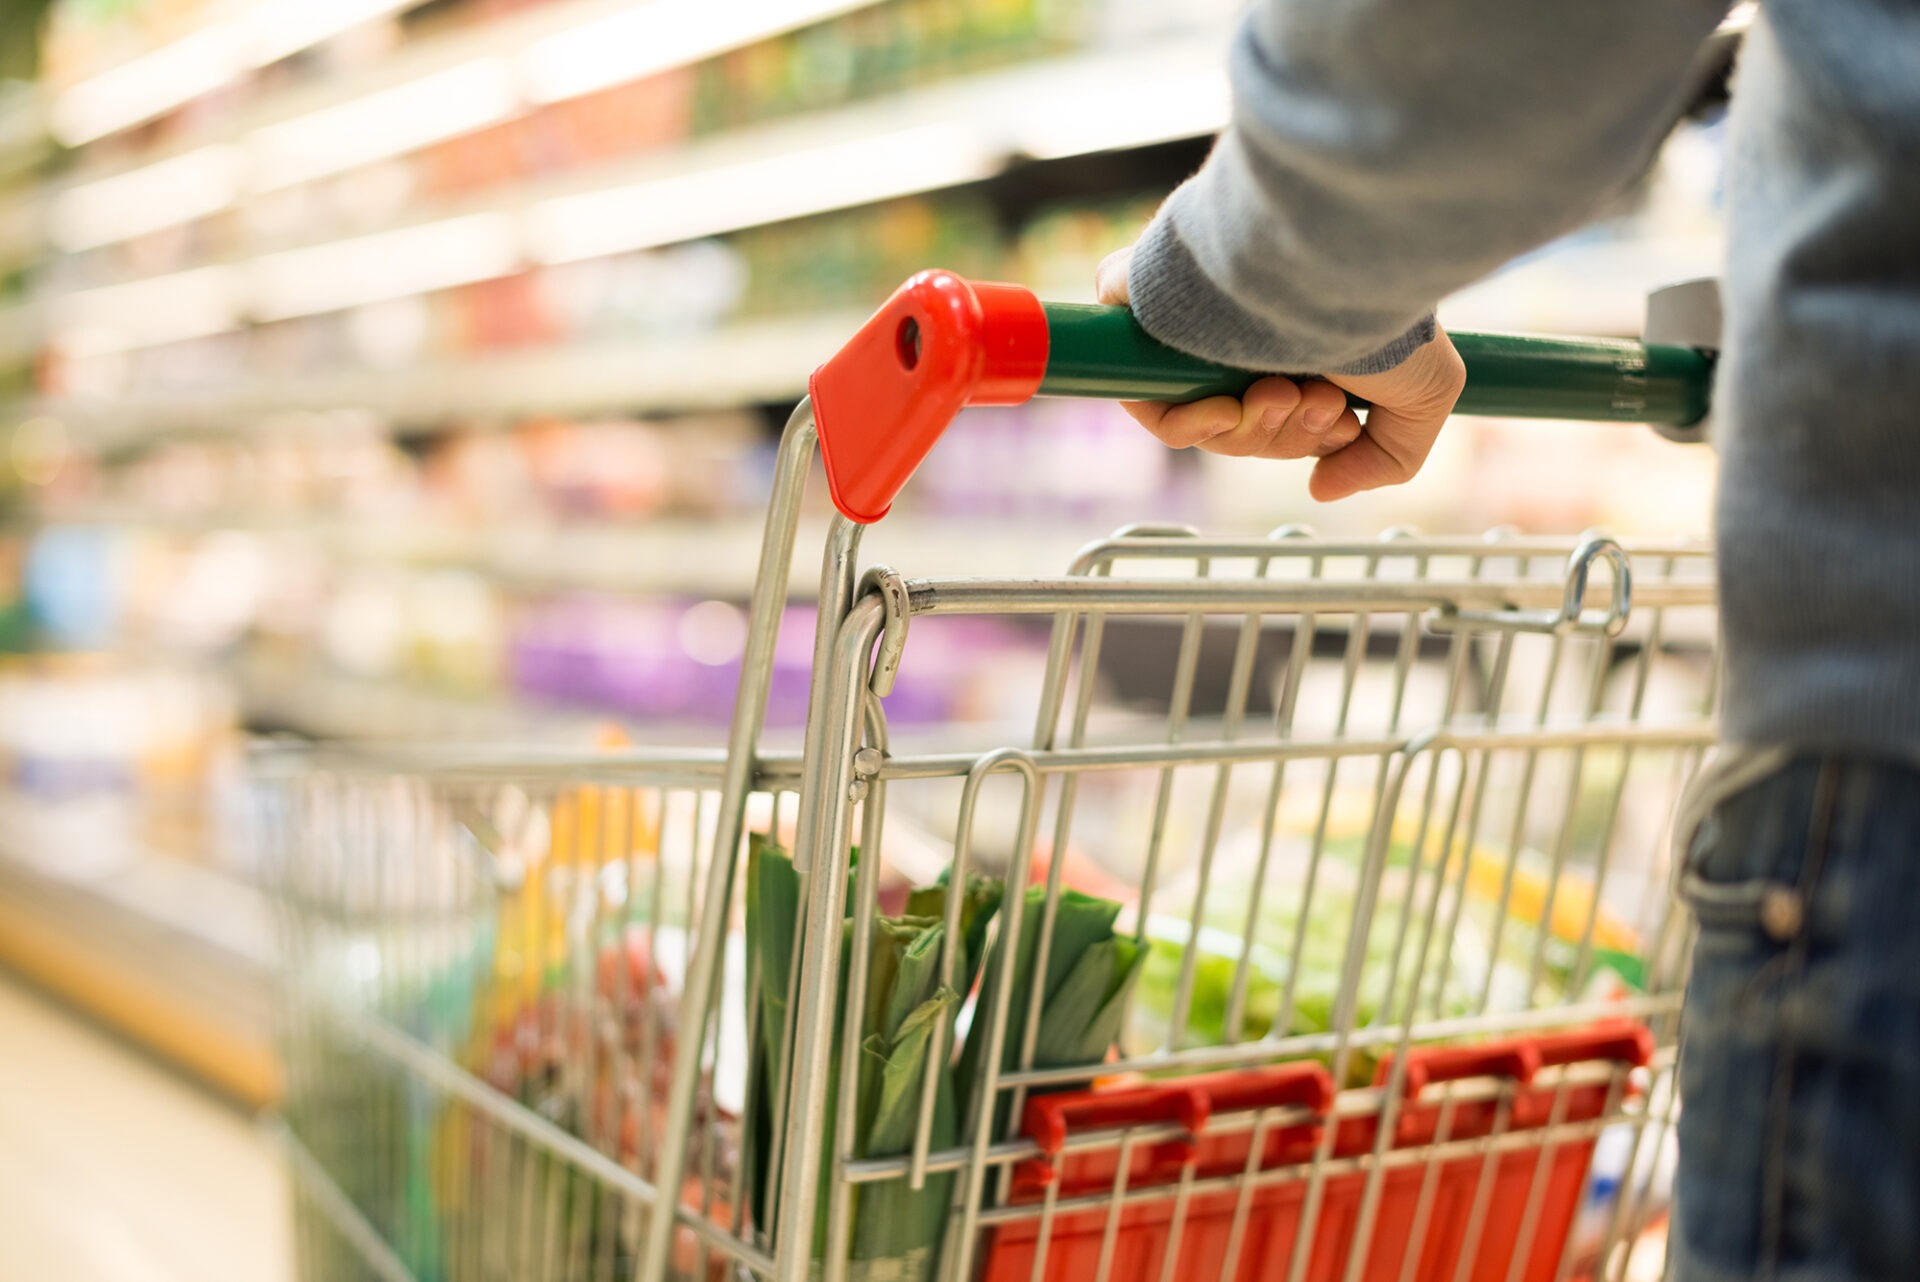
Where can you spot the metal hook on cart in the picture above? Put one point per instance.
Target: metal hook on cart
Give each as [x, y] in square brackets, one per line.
[892, 589]
[1570, 617]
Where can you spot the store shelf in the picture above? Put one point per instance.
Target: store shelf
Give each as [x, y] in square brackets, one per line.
[23, 130]
[422, 93]
[561, 49]
[19, 333]
[22, 226]
[945, 134]
[942, 136]
[760, 361]
[668, 556]
[170, 950]
[1586, 287]
[305, 698]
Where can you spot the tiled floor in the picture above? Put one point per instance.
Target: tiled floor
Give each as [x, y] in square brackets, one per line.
[115, 1170]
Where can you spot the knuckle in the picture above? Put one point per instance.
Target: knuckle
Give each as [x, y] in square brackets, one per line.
[1276, 396]
[1320, 393]
[1336, 440]
[1188, 435]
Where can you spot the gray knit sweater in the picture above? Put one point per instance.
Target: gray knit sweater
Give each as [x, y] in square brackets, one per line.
[1384, 153]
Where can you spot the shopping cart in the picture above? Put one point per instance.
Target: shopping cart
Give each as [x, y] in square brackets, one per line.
[1319, 929]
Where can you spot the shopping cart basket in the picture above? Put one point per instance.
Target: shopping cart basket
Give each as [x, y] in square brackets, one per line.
[1319, 928]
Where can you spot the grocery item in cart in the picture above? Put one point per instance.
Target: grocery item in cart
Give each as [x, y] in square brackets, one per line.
[1070, 1011]
[908, 1026]
[1304, 922]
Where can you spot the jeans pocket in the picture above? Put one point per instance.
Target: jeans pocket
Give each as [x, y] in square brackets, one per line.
[1761, 905]
[1741, 870]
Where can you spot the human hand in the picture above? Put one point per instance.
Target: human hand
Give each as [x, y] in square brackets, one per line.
[1280, 418]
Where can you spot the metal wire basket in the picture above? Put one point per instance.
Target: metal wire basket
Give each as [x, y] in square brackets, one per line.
[1318, 928]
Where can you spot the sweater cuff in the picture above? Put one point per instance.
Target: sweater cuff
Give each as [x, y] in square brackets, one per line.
[1417, 336]
[1176, 302]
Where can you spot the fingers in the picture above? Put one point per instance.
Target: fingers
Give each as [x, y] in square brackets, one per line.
[1321, 424]
[1281, 419]
[1184, 426]
[1276, 418]
[1110, 277]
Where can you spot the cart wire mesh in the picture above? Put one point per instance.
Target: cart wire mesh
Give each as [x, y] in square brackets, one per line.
[1318, 928]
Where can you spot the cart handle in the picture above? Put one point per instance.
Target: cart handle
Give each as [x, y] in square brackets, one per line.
[942, 343]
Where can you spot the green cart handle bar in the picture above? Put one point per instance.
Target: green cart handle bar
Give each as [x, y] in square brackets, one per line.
[942, 343]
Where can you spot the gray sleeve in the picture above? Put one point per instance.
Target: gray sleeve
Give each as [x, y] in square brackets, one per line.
[1384, 153]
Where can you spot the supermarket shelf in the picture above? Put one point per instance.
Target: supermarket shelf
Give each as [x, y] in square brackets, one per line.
[717, 558]
[22, 225]
[174, 953]
[1585, 286]
[211, 55]
[19, 333]
[942, 136]
[302, 697]
[742, 364]
[665, 556]
[23, 127]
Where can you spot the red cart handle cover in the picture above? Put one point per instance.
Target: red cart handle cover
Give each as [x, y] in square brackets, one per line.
[939, 344]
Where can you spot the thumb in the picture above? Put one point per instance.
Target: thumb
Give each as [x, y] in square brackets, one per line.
[1388, 452]
[1110, 277]
[1411, 402]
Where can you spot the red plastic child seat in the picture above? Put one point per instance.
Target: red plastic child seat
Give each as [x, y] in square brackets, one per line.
[1440, 1206]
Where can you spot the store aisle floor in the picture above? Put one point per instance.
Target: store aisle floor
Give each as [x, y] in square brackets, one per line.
[114, 1170]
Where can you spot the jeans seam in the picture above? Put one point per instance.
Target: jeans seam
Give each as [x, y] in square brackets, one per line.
[1773, 1180]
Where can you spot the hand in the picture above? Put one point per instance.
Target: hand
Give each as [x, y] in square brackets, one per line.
[1282, 419]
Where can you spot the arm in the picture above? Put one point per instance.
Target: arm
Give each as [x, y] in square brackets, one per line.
[1382, 154]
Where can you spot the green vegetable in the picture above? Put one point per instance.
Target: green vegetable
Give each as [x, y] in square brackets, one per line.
[1464, 946]
[905, 1011]
[1082, 997]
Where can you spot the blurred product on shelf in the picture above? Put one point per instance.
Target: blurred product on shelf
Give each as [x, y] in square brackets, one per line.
[680, 662]
[831, 262]
[1029, 462]
[871, 51]
[73, 725]
[1057, 251]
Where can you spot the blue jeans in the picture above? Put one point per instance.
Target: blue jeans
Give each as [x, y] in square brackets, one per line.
[1800, 1055]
